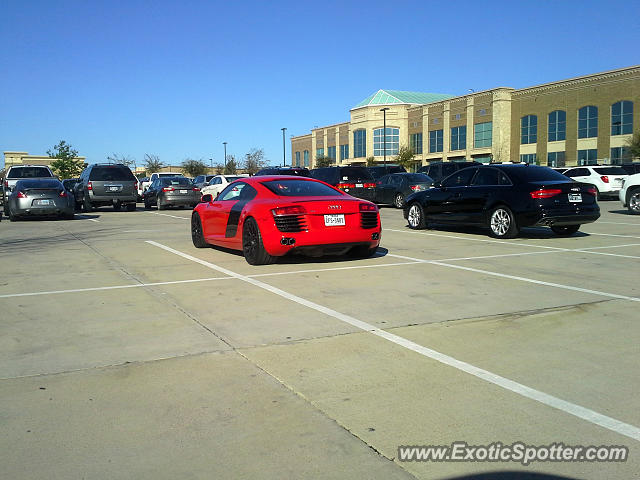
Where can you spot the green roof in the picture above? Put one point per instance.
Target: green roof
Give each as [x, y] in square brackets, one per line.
[386, 97]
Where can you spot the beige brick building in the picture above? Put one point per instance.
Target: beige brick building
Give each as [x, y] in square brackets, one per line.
[579, 121]
[23, 158]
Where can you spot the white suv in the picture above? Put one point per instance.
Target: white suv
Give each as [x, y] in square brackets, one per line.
[607, 179]
[630, 193]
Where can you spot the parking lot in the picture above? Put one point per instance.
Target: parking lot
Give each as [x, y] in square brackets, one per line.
[127, 353]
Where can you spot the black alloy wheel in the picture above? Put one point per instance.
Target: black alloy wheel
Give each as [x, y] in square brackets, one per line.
[197, 235]
[252, 245]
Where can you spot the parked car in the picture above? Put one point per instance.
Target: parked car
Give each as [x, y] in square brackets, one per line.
[171, 192]
[201, 180]
[102, 184]
[153, 176]
[69, 183]
[356, 181]
[218, 183]
[440, 170]
[606, 179]
[40, 197]
[394, 188]
[629, 194]
[631, 168]
[380, 170]
[298, 171]
[19, 172]
[505, 198]
[271, 216]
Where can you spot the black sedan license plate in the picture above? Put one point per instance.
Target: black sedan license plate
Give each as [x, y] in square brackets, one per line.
[575, 197]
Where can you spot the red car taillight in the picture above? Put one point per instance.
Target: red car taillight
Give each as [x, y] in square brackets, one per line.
[604, 178]
[545, 193]
[196, 189]
[369, 185]
[63, 193]
[168, 189]
[89, 186]
[346, 185]
[290, 210]
[368, 207]
[592, 191]
[135, 185]
[21, 195]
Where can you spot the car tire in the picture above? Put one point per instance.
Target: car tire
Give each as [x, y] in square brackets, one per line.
[12, 217]
[565, 230]
[87, 204]
[161, 206]
[252, 245]
[131, 207]
[398, 202]
[197, 235]
[147, 205]
[415, 217]
[502, 223]
[67, 216]
[362, 251]
[633, 201]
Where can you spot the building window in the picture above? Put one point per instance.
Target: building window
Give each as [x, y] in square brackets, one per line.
[436, 120]
[359, 144]
[306, 158]
[297, 159]
[482, 112]
[588, 157]
[416, 143]
[344, 152]
[457, 116]
[622, 118]
[331, 152]
[435, 141]
[482, 134]
[458, 138]
[528, 158]
[588, 122]
[555, 159]
[529, 129]
[393, 141]
[557, 126]
[620, 155]
[319, 152]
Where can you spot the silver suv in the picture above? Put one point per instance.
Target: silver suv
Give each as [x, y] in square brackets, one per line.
[106, 184]
[21, 172]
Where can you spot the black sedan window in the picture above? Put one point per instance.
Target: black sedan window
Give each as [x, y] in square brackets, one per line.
[301, 188]
[537, 174]
[459, 179]
[37, 184]
[490, 176]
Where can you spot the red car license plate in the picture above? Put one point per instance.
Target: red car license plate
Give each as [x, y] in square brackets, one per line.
[333, 220]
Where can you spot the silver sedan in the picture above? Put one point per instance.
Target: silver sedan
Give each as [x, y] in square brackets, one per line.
[40, 197]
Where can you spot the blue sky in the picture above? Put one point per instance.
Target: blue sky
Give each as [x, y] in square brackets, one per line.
[178, 78]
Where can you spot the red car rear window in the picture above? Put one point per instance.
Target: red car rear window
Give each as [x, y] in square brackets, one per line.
[301, 188]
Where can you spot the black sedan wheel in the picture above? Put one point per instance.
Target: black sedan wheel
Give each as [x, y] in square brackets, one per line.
[399, 201]
[87, 204]
[633, 202]
[565, 230]
[502, 224]
[252, 246]
[197, 237]
[416, 217]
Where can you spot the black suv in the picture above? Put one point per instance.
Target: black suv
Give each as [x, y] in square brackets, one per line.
[440, 170]
[356, 181]
[298, 171]
[380, 171]
[631, 168]
[106, 184]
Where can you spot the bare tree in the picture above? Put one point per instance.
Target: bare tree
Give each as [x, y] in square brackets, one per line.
[124, 159]
[254, 161]
[152, 163]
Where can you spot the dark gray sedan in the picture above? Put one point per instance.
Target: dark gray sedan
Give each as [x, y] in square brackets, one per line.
[171, 192]
[40, 197]
[395, 187]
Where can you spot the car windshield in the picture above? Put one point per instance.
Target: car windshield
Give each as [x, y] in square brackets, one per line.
[27, 184]
[535, 174]
[354, 173]
[611, 171]
[301, 188]
[176, 181]
[29, 172]
[111, 173]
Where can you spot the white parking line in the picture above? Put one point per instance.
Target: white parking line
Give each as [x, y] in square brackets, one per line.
[611, 235]
[172, 216]
[591, 416]
[521, 279]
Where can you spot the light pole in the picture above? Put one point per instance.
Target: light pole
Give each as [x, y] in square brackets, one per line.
[211, 163]
[284, 150]
[225, 154]
[384, 126]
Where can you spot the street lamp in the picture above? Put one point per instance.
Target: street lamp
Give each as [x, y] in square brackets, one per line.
[225, 154]
[284, 150]
[384, 126]
[211, 163]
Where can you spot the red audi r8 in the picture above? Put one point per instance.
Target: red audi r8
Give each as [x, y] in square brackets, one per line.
[270, 216]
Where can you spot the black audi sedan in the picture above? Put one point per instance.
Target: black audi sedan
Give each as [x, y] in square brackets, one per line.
[505, 198]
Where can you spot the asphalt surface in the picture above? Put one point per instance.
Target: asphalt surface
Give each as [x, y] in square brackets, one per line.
[127, 353]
